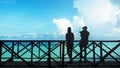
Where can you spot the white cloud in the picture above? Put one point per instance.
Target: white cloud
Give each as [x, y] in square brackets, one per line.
[116, 30]
[96, 11]
[100, 15]
[33, 35]
[62, 25]
[79, 22]
[55, 35]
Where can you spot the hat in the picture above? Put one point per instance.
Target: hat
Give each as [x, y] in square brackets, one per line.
[85, 27]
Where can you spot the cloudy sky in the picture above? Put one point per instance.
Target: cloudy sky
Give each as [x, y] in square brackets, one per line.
[49, 19]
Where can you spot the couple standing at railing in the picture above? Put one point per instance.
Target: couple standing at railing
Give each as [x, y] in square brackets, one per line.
[84, 34]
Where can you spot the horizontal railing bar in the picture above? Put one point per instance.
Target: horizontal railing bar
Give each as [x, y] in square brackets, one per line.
[56, 40]
[54, 57]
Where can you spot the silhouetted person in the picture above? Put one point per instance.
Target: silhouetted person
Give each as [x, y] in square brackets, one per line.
[69, 40]
[83, 43]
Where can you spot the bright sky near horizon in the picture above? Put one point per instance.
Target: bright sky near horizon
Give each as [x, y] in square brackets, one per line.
[49, 19]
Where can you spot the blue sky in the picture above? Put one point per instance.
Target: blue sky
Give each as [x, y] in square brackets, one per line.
[49, 19]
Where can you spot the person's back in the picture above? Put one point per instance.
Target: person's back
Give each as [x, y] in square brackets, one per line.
[83, 42]
[69, 38]
[84, 37]
[70, 41]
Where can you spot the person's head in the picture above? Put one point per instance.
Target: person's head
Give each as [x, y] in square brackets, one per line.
[84, 28]
[69, 29]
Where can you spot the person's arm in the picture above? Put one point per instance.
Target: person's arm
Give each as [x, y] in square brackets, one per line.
[73, 37]
[80, 34]
[66, 37]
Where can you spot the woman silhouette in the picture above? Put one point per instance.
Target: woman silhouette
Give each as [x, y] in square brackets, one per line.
[69, 40]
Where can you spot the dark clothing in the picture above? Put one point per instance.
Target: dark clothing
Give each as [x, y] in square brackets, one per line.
[83, 43]
[69, 40]
[84, 38]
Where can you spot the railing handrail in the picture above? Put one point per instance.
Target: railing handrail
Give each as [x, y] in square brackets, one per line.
[57, 40]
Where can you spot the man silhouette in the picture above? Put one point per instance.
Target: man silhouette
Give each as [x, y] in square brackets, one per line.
[83, 42]
[69, 40]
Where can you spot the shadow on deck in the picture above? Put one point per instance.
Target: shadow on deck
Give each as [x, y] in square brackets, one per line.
[66, 65]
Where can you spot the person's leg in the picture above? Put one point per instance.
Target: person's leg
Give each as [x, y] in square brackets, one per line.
[70, 55]
[81, 53]
[85, 54]
[68, 51]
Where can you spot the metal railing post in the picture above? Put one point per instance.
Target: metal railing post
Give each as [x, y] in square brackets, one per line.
[94, 54]
[49, 55]
[0, 53]
[31, 53]
[101, 53]
[18, 46]
[63, 44]
[39, 50]
[11, 59]
[60, 50]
